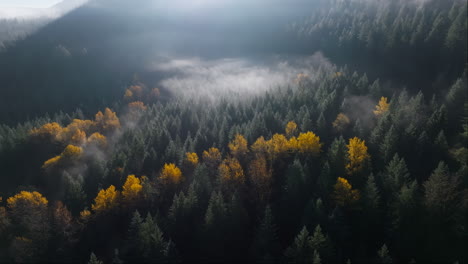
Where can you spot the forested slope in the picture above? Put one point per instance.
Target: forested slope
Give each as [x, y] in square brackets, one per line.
[337, 166]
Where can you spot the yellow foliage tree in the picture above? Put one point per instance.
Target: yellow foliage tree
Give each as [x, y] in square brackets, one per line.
[70, 153]
[341, 122]
[212, 158]
[382, 107]
[98, 139]
[260, 146]
[238, 146]
[107, 121]
[27, 199]
[278, 145]
[357, 155]
[230, 170]
[78, 137]
[85, 215]
[309, 143]
[191, 158]
[132, 188]
[171, 174]
[291, 129]
[106, 200]
[343, 192]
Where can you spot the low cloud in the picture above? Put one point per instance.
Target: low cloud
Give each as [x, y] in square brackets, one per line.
[212, 79]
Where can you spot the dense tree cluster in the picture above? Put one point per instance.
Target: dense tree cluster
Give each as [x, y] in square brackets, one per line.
[334, 168]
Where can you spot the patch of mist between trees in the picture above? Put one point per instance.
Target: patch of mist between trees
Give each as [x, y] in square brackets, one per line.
[360, 108]
[234, 78]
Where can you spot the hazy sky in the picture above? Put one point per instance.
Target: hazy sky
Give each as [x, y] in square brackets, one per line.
[28, 3]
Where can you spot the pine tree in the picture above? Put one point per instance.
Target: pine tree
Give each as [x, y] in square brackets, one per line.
[94, 260]
[300, 251]
[266, 245]
[384, 256]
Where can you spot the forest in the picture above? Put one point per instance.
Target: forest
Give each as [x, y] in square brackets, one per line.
[360, 160]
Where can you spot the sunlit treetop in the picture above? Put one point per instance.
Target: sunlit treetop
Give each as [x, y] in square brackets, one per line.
[51, 130]
[70, 153]
[106, 199]
[171, 174]
[357, 155]
[230, 170]
[107, 121]
[212, 155]
[382, 107]
[260, 146]
[278, 144]
[97, 139]
[343, 192]
[309, 143]
[25, 198]
[132, 188]
[136, 106]
[238, 146]
[78, 137]
[191, 158]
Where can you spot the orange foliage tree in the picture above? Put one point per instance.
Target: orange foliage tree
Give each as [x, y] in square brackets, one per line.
[278, 145]
[97, 139]
[48, 131]
[107, 121]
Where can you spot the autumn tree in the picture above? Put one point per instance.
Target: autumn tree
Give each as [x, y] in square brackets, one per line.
[69, 154]
[382, 107]
[171, 174]
[106, 199]
[260, 146]
[238, 146]
[309, 143]
[343, 193]
[278, 145]
[341, 122]
[231, 172]
[49, 131]
[107, 122]
[98, 140]
[212, 159]
[357, 156]
[28, 212]
[132, 189]
[191, 158]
